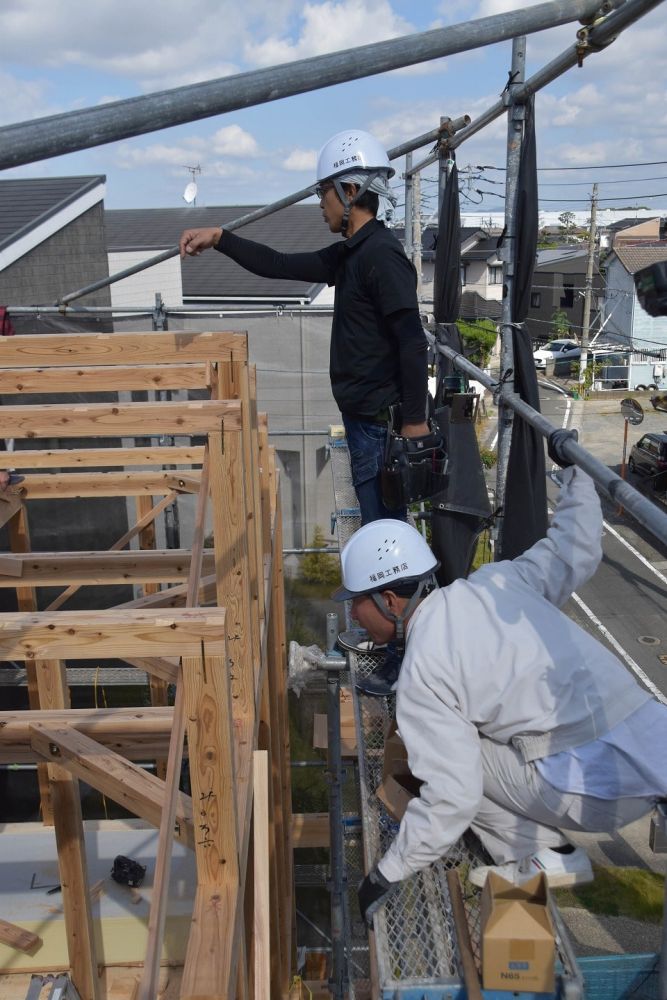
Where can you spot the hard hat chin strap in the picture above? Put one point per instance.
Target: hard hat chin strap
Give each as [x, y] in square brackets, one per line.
[349, 202]
[400, 619]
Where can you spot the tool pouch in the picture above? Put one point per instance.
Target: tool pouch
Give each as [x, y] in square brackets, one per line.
[414, 468]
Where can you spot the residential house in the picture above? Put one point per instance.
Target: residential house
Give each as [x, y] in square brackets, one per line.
[558, 287]
[625, 320]
[289, 346]
[51, 242]
[626, 231]
[134, 235]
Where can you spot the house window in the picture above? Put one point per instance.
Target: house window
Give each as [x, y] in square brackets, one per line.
[535, 300]
[464, 272]
[495, 275]
[567, 298]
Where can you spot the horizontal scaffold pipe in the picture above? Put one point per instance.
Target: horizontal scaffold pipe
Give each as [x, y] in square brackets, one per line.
[65, 133]
[599, 36]
[642, 509]
[259, 213]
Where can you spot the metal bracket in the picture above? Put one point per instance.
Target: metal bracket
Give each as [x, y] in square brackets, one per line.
[62, 988]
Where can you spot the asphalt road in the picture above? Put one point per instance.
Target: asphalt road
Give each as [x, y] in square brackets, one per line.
[625, 603]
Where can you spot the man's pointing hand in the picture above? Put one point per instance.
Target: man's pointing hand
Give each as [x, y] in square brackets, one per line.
[193, 241]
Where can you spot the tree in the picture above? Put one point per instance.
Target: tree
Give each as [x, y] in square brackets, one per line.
[566, 220]
[561, 323]
[320, 567]
[479, 337]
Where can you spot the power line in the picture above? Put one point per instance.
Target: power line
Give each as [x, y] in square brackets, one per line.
[625, 180]
[598, 166]
[582, 201]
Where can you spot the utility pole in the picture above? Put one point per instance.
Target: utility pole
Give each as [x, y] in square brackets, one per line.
[516, 113]
[588, 290]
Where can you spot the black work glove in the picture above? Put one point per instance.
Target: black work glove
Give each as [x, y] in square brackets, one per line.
[373, 893]
[555, 442]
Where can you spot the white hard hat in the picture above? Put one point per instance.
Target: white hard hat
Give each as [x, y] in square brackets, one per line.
[382, 555]
[351, 151]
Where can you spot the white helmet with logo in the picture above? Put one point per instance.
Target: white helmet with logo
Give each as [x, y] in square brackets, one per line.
[381, 556]
[351, 151]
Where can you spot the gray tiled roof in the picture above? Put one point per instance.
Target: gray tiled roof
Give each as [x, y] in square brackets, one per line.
[548, 257]
[482, 250]
[634, 257]
[26, 203]
[212, 275]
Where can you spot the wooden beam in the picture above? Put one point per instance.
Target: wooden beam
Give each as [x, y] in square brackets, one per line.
[135, 733]
[64, 350]
[60, 485]
[164, 669]
[310, 830]
[174, 597]
[158, 910]
[143, 522]
[17, 937]
[72, 864]
[10, 566]
[93, 458]
[118, 419]
[9, 505]
[261, 907]
[110, 633]
[52, 569]
[138, 791]
[101, 378]
[147, 540]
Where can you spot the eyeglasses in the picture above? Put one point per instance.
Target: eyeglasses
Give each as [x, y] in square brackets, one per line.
[322, 189]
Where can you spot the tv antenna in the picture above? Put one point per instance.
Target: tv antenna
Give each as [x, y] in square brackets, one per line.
[190, 193]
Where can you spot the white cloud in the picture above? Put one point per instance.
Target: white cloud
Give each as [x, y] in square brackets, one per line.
[301, 159]
[23, 99]
[329, 26]
[232, 140]
[160, 154]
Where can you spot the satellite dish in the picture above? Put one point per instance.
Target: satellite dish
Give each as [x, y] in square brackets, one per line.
[632, 410]
[190, 192]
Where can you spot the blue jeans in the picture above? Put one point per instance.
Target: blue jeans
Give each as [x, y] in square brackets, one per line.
[366, 442]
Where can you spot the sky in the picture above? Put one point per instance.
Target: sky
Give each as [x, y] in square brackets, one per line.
[63, 55]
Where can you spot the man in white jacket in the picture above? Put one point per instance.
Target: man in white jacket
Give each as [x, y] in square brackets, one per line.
[517, 721]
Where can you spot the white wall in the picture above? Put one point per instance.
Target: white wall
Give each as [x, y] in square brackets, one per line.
[140, 289]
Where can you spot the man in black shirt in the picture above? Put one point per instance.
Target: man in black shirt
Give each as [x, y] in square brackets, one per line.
[378, 351]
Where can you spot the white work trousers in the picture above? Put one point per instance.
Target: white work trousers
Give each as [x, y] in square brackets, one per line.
[521, 813]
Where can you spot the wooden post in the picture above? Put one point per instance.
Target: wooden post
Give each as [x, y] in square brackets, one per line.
[264, 956]
[68, 822]
[158, 688]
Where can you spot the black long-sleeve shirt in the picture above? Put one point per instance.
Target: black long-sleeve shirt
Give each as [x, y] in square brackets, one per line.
[378, 350]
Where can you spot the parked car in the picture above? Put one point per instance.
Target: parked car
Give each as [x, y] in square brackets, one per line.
[659, 401]
[648, 457]
[556, 350]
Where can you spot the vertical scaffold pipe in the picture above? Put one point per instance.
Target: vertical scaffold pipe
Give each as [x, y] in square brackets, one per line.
[334, 663]
[409, 186]
[515, 118]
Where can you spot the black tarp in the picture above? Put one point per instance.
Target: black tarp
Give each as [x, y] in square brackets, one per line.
[459, 513]
[525, 507]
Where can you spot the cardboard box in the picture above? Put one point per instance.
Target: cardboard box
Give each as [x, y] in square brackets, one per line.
[398, 784]
[518, 941]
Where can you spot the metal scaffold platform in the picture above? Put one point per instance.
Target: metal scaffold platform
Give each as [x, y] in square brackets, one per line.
[416, 951]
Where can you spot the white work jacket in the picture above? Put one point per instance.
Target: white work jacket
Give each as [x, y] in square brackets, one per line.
[492, 656]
